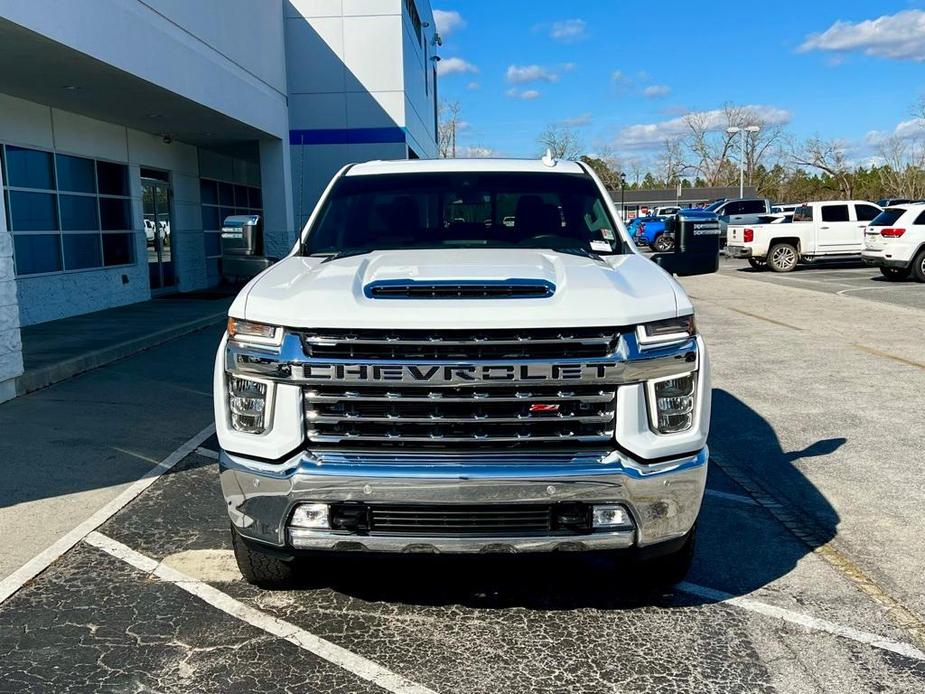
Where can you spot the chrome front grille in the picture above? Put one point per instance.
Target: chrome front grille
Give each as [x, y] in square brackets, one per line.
[546, 343]
[457, 415]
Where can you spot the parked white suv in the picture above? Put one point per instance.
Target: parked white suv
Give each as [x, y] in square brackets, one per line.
[895, 242]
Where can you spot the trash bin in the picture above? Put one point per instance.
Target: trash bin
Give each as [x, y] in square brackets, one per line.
[696, 243]
[242, 247]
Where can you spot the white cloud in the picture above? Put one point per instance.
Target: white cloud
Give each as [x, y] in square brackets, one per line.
[526, 94]
[474, 151]
[520, 74]
[569, 30]
[648, 135]
[618, 76]
[900, 36]
[451, 66]
[472, 86]
[448, 21]
[907, 129]
[576, 122]
[656, 90]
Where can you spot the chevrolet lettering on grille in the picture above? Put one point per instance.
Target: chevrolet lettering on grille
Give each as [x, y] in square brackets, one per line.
[460, 374]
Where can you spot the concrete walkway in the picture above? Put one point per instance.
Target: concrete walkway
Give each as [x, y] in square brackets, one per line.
[60, 349]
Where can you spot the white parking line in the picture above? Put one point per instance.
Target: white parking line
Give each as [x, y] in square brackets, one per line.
[842, 292]
[803, 620]
[348, 660]
[40, 562]
[732, 497]
[207, 453]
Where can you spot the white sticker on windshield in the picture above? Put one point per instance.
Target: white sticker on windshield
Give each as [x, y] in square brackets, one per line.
[607, 234]
[600, 247]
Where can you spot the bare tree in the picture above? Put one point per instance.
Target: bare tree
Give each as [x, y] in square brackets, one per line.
[712, 152]
[447, 126]
[671, 162]
[903, 173]
[562, 141]
[829, 157]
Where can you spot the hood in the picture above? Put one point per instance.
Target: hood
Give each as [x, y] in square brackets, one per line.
[303, 292]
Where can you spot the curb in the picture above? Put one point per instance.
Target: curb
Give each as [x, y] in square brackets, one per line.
[37, 379]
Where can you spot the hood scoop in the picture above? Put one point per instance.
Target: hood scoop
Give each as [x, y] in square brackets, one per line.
[513, 288]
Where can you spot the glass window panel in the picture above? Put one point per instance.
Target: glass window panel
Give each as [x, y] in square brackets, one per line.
[82, 251]
[76, 174]
[29, 168]
[224, 213]
[213, 245]
[210, 220]
[78, 213]
[36, 253]
[208, 192]
[117, 249]
[33, 211]
[226, 194]
[115, 214]
[254, 197]
[113, 178]
[240, 196]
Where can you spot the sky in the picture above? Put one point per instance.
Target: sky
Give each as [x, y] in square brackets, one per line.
[622, 72]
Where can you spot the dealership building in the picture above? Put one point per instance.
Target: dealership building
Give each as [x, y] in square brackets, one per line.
[130, 129]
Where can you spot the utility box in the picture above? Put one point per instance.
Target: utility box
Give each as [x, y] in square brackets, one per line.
[696, 236]
[242, 247]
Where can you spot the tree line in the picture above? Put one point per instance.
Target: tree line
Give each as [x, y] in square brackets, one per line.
[706, 151]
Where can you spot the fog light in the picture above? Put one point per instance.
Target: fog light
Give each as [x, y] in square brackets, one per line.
[611, 517]
[310, 516]
[671, 401]
[247, 401]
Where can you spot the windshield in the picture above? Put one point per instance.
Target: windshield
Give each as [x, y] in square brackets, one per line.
[888, 217]
[463, 210]
[714, 206]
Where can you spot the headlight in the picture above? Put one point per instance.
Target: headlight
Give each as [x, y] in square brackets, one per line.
[247, 401]
[257, 333]
[672, 402]
[666, 331]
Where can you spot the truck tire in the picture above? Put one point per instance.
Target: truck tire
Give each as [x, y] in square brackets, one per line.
[758, 264]
[669, 569]
[918, 266]
[261, 568]
[783, 257]
[895, 274]
[663, 242]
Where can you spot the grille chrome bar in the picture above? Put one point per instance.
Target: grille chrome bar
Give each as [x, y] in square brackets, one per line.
[315, 418]
[488, 395]
[319, 437]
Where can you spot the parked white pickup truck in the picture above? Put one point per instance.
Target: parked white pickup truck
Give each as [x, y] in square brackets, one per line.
[421, 375]
[828, 230]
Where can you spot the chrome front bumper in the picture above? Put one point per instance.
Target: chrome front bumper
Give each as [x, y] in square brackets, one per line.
[663, 498]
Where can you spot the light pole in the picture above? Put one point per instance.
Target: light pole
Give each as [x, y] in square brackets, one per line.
[745, 131]
[623, 196]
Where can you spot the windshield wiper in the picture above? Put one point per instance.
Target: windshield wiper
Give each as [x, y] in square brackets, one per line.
[328, 257]
[583, 252]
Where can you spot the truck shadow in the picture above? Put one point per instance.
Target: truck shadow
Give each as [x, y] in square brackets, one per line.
[741, 546]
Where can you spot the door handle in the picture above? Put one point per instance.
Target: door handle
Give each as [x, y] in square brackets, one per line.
[823, 227]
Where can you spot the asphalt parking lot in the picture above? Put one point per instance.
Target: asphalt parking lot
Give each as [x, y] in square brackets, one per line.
[808, 575]
[843, 279]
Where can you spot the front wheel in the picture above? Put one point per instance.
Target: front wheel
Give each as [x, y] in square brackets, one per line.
[261, 568]
[663, 242]
[758, 264]
[782, 257]
[895, 274]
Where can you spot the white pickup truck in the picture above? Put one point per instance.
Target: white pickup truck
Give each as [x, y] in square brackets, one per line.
[828, 230]
[422, 374]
